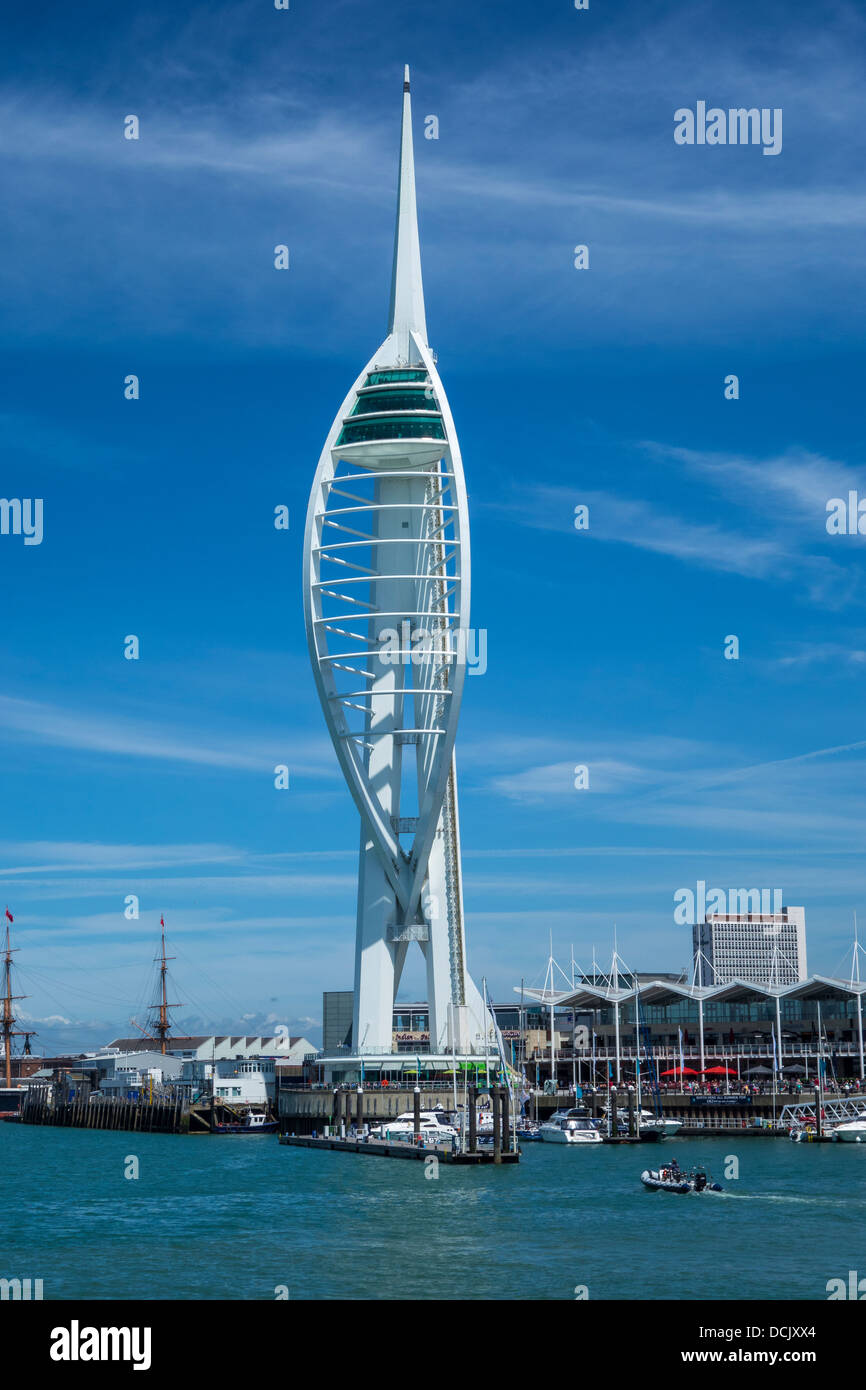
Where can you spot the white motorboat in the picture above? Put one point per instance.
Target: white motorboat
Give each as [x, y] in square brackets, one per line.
[651, 1126]
[851, 1131]
[569, 1127]
[527, 1129]
[802, 1134]
[660, 1125]
[246, 1122]
[432, 1129]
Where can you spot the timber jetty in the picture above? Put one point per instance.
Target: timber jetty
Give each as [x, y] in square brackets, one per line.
[146, 1115]
[92, 1112]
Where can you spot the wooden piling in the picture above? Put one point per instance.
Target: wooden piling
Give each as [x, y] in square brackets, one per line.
[416, 1113]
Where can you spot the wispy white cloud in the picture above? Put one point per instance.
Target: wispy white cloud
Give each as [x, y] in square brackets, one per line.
[48, 856]
[279, 147]
[644, 524]
[830, 655]
[114, 735]
[784, 800]
[798, 480]
[539, 784]
[540, 145]
[219, 926]
[779, 503]
[175, 889]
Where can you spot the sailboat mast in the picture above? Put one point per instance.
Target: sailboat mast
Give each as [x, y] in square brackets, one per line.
[552, 1028]
[820, 1057]
[8, 1020]
[162, 1006]
[7, 1007]
[855, 979]
[614, 984]
[574, 1064]
[637, 1048]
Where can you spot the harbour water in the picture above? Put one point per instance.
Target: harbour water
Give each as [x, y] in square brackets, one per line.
[239, 1217]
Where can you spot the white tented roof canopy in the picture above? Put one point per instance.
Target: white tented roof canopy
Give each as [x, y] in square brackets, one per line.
[662, 992]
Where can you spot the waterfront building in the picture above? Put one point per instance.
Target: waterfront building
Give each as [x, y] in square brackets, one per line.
[128, 1075]
[386, 604]
[741, 1024]
[222, 1047]
[245, 1083]
[121, 1074]
[768, 948]
[37, 1068]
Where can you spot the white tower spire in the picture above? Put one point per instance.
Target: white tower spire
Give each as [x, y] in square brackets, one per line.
[407, 291]
[387, 590]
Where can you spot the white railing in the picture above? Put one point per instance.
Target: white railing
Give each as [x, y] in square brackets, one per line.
[835, 1111]
[729, 1122]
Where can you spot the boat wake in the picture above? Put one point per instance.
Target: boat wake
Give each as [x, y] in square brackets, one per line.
[783, 1197]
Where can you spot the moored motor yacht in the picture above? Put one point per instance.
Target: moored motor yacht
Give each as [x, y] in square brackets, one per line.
[431, 1128]
[658, 1125]
[851, 1131]
[569, 1127]
[651, 1126]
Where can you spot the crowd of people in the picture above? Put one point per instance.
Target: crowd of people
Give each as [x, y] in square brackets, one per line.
[787, 1085]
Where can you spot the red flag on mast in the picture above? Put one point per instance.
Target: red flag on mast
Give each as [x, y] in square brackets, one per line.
[162, 921]
[9, 915]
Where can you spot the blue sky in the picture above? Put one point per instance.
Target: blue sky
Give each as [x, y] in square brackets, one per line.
[605, 386]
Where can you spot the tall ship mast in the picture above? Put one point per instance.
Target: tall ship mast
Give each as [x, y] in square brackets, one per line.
[160, 1027]
[7, 1018]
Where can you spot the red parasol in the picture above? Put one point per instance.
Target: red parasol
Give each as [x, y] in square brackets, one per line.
[719, 1071]
[680, 1071]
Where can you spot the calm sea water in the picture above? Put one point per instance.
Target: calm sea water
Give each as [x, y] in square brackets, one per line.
[235, 1217]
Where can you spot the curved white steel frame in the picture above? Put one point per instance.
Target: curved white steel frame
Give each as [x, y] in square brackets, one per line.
[386, 603]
